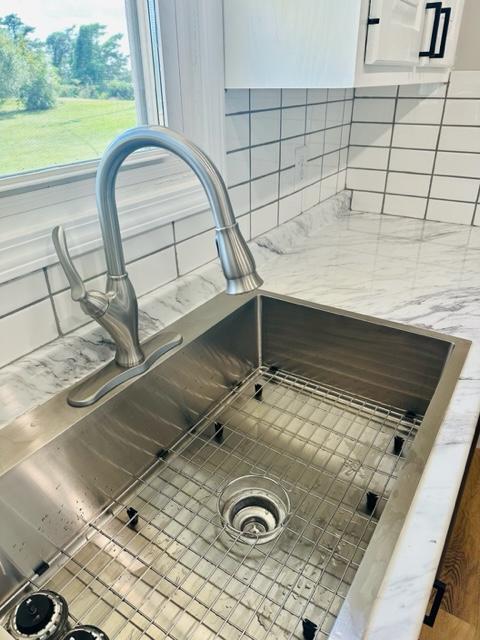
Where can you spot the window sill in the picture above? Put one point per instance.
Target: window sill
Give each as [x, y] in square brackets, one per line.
[144, 204]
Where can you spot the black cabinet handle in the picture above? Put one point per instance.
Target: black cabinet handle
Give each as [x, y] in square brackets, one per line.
[430, 618]
[439, 11]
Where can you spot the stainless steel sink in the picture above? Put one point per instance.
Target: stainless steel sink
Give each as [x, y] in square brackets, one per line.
[115, 506]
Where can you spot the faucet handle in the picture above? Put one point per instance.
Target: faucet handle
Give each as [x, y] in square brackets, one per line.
[74, 279]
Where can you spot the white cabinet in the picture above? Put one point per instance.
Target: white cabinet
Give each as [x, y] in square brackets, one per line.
[338, 43]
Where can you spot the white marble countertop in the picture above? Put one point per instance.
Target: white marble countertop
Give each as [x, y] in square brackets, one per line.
[421, 273]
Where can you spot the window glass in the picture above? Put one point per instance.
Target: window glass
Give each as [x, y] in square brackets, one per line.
[66, 85]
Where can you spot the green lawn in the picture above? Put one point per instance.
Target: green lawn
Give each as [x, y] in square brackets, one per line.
[75, 129]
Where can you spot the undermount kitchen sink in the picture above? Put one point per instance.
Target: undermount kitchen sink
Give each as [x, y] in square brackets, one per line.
[131, 510]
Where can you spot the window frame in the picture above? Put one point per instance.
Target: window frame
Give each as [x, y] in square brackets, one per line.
[187, 76]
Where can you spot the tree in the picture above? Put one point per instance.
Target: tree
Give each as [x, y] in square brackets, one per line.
[87, 57]
[12, 67]
[38, 91]
[16, 27]
[59, 45]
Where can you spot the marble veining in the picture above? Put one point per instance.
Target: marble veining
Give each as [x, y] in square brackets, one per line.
[407, 270]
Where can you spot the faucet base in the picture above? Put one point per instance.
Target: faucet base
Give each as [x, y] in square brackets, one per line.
[112, 375]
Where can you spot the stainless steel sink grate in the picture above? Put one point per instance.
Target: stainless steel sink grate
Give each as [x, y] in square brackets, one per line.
[167, 570]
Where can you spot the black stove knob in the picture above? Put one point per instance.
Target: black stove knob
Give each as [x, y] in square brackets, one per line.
[40, 614]
[85, 632]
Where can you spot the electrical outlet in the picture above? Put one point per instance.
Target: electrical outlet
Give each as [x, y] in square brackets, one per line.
[301, 155]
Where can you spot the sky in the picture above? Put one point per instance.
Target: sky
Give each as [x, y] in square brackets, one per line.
[55, 15]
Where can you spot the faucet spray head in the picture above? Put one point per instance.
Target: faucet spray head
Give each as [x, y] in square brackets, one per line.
[237, 261]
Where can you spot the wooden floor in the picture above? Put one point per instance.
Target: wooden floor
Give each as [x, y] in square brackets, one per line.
[459, 617]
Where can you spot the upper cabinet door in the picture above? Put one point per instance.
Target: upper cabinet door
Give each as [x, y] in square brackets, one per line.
[395, 30]
[440, 33]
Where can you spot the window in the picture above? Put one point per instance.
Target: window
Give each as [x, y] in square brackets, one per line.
[66, 85]
[170, 51]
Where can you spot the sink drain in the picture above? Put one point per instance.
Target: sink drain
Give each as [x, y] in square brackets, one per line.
[253, 509]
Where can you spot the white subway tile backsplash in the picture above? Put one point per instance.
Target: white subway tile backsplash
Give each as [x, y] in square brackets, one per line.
[311, 195]
[457, 164]
[367, 201]
[26, 330]
[366, 179]
[193, 225]
[413, 184]
[238, 167]
[293, 122]
[334, 114]
[347, 112]
[419, 111]
[22, 292]
[425, 90]
[330, 163]
[415, 136]
[265, 159]
[371, 134]
[373, 109]
[264, 99]
[454, 188]
[237, 100]
[152, 271]
[148, 242]
[265, 126]
[288, 149]
[196, 251]
[329, 186]
[290, 207]
[456, 212]
[293, 97]
[315, 144]
[335, 94]
[464, 84]
[264, 190]
[463, 112]
[316, 95]
[405, 206]
[460, 139]
[418, 161]
[240, 199]
[237, 132]
[333, 139]
[345, 135]
[476, 220]
[316, 117]
[376, 92]
[314, 170]
[368, 157]
[434, 150]
[264, 219]
[287, 182]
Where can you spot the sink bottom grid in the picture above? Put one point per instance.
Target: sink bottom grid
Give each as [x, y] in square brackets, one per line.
[157, 564]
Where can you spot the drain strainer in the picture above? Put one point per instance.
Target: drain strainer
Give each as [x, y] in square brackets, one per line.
[253, 509]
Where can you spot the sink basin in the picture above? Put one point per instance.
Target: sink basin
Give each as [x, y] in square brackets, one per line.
[115, 506]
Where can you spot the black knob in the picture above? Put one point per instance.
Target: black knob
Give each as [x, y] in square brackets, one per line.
[85, 632]
[34, 613]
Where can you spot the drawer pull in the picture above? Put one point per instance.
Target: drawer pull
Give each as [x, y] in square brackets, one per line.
[430, 618]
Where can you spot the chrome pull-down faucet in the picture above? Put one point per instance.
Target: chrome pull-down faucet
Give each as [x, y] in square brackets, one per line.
[116, 310]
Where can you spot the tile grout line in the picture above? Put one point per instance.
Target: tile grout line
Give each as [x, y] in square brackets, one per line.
[435, 153]
[382, 209]
[52, 302]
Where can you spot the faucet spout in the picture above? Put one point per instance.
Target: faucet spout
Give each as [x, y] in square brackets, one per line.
[235, 257]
